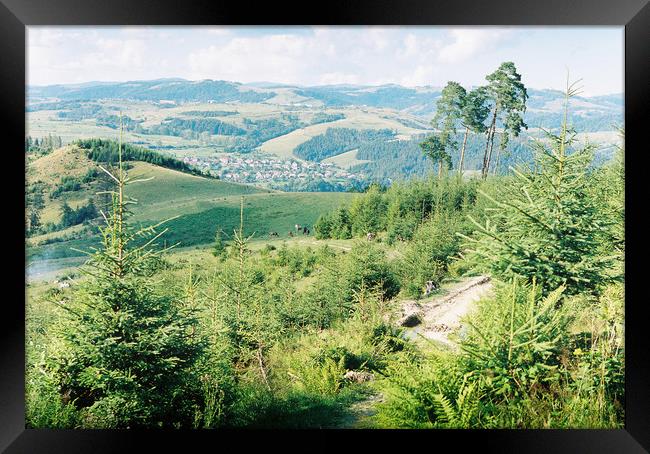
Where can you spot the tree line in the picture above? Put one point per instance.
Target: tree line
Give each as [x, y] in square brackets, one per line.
[102, 150]
[43, 146]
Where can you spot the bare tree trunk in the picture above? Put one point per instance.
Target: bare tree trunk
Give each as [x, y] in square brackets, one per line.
[439, 169]
[496, 161]
[462, 152]
[489, 157]
[490, 138]
[487, 150]
[262, 370]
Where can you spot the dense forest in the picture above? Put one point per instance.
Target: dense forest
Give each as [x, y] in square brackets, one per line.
[175, 126]
[393, 160]
[386, 96]
[338, 140]
[293, 336]
[100, 150]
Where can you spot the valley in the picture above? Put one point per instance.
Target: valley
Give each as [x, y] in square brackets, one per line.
[208, 120]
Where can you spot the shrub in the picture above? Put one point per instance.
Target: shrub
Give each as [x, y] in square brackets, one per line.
[368, 212]
[366, 267]
[429, 254]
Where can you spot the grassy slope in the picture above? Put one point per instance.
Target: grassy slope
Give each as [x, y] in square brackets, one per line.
[346, 160]
[49, 169]
[201, 204]
[263, 213]
[171, 193]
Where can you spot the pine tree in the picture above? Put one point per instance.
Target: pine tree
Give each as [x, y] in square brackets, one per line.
[219, 247]
[249, 324]
[508, 95]
[449, 110]
[434, 149]
[546, 226]
[127, 346]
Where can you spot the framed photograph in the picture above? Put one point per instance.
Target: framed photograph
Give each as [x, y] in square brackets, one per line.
[364, 221]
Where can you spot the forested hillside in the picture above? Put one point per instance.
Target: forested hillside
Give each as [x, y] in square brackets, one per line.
[155, 90]
[336, 141]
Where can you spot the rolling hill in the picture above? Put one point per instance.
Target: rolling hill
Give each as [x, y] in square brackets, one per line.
[198, 205]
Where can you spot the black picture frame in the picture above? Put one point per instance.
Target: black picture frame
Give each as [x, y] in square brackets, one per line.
[16, 15]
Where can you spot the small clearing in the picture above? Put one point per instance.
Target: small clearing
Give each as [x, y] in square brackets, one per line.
[346, 160]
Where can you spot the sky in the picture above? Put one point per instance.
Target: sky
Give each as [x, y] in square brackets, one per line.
[405, 55]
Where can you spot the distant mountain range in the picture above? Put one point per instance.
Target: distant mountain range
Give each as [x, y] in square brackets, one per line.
[596, 113]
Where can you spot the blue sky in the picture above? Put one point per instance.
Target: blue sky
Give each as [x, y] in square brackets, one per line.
[410, 56]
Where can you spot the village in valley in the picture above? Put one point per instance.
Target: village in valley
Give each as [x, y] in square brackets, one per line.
[266, 169]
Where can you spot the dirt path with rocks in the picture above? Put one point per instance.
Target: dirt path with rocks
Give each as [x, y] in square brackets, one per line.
[434, 319]
[438, 317]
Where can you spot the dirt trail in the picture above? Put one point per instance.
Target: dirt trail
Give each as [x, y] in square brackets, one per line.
[437, 318]
[434, 319]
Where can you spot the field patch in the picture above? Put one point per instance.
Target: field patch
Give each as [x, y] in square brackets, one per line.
[345, 160]
[263, 214]
[283, 146]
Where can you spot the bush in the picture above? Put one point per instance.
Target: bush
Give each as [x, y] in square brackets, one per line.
[402, 228]
[68, 184]
[44, 405]
[368, 212]
[297, 260]
[366, 267]
[429, 254]
[71, 216]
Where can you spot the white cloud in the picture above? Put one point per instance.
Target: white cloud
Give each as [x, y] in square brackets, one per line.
[274, 57]
[337, 78]
[469, 42]
[131, 52]
[411, 56]
[421, 75]
[218, 32]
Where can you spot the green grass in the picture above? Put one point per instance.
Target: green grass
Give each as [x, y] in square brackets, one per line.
[263, 213]
[171, 193]
[201, 214]
[346, 160]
